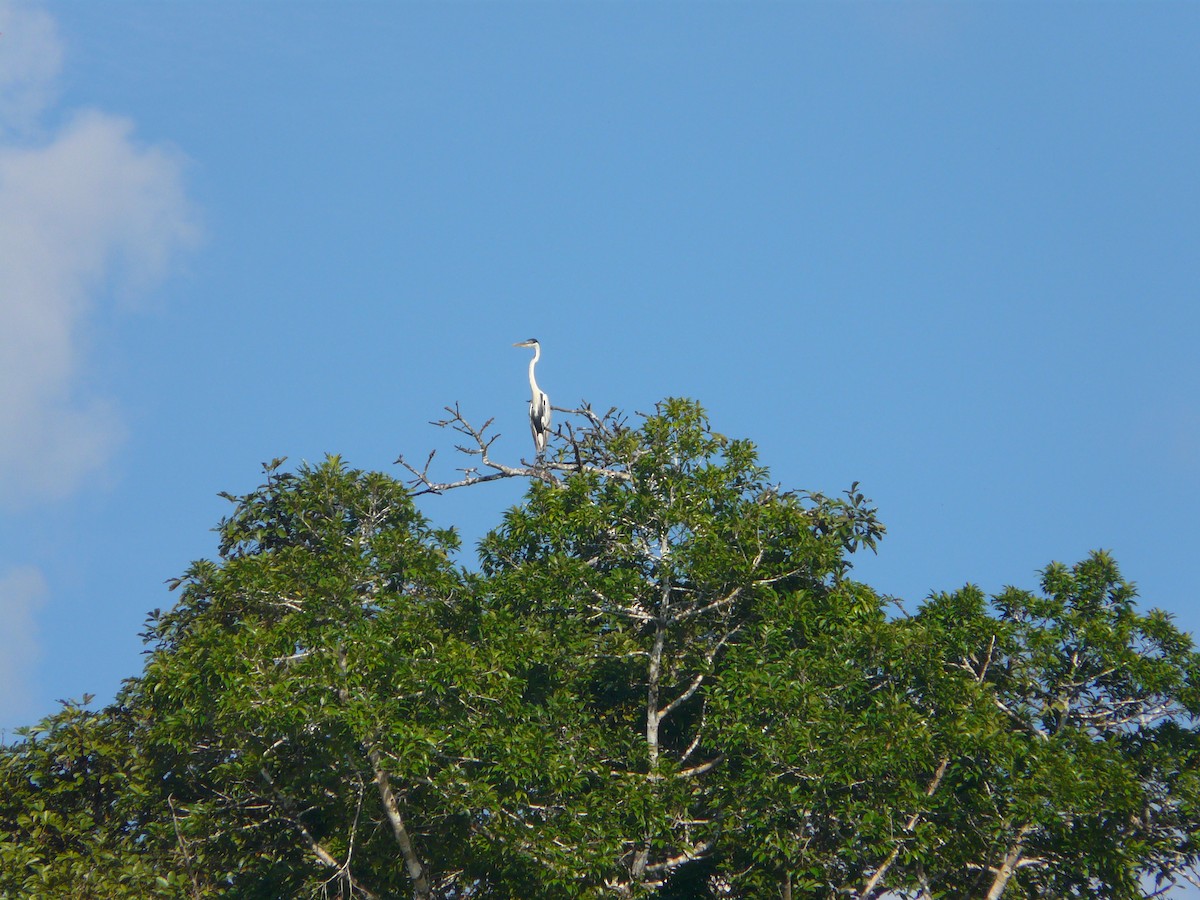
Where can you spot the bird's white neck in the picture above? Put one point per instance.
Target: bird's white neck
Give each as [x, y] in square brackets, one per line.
[537, 354]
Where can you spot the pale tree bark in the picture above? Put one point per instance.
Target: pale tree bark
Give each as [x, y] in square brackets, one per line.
[341, 869]
[978, 669]
[422, 890]
[1012, 859]
[872, 884]
[641, 858]
[653, 679]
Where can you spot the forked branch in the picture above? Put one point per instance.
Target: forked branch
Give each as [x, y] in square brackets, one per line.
[579, 447]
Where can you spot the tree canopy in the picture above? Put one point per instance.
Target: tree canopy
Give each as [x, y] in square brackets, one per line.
[657, 679]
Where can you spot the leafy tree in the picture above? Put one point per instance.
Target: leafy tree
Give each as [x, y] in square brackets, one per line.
[660, 681]
[304, 703]
[1086, 783]
[72, 818]
[643, 575]
[1026, 746]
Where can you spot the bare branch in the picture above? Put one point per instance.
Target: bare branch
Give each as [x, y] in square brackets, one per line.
[1012, 860]
[691, 689]
[870, 889]
[391, 807]
[580, 450]
[709, 607]
[293, 816]
[183, 848]
[688, 855]
[702, 768]
[695, 742]
[687, 694]
[1019, 719]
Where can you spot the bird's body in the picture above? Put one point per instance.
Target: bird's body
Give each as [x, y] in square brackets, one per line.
[539, 405]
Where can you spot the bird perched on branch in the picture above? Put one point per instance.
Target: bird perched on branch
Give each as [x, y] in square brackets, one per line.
[539, 406]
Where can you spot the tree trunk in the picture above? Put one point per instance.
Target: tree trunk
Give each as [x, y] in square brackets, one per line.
[653, 679]
[391, 807]
[1009, 865]
[416, 871]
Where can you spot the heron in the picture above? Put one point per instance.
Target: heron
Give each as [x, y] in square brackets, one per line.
[539, 406]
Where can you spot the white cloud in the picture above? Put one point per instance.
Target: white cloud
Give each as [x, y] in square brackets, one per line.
[22, 590]
[30, 60]
[87, 214]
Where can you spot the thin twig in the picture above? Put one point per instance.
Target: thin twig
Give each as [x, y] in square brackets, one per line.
[578, 452]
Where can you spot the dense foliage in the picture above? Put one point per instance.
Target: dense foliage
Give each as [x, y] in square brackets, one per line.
[660, 680]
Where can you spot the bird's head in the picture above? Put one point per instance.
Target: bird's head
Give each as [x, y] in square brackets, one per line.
[532, 342]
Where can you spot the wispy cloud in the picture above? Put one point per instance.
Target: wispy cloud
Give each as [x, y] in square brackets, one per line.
[88, 214]
[22, 590]
[89, 217]
[30, 59]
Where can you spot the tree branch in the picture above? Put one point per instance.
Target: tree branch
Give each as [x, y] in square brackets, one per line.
[869, 888]
[183, 847]
[422, 889]
[688, 855]
[577, 452]
[416, 871]
[1010, 864]
[323, 855]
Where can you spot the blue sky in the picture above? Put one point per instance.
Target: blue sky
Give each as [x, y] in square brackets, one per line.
[946, 250]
